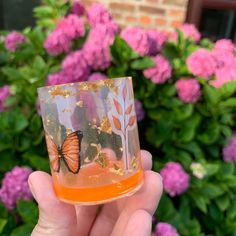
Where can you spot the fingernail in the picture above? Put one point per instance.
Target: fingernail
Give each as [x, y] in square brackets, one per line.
[147, 154]
[31, 188]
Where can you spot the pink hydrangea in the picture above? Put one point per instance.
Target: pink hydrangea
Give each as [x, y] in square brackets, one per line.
[156, 41]
[137, 38]
[139, 110]
[75, 67]
[165, 229]
[97, 47]
[97, 14]
[56, 78]
[13, 40]
[97, 76]
[190, 31]
[175, 179]
[68, 29]
[201, 63]
[225, 45]
[229, 151]
[77, 8]
[4, 94]
[15, 186]
[189, 90]
[161, 72]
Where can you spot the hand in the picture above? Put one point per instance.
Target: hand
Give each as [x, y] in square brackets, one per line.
[124, 217]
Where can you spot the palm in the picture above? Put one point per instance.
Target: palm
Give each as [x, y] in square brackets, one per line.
[127, 216]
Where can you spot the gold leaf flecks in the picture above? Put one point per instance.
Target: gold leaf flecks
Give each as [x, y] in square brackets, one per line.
[134, 162]
[102, 160]
[68, 131]
[105, 125]
[58, 91]
[86, 160]
[83, 87]
[66, 110]
[80, 103]
[117, 169]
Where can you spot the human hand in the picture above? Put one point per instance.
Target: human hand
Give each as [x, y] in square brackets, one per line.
[124, 217]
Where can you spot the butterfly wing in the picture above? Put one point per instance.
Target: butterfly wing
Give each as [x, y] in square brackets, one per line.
[71, 151]
[53, 154]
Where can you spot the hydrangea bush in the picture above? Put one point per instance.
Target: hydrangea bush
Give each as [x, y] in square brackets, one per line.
[185, 91]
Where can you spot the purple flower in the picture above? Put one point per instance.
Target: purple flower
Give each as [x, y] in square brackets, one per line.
[77, 8]
[165, 229]
[225, 45]
[97, 47]
[15, 186]
[97, 14]
[13, 40]
[201, 63]
[97, 76]
[175, 179]
[137, 38]
[161, 72]
[189, 90]
[75, 67]
[229, 151]
[4, 94]
[56, 78]
[68, 29]
[139, 110]
[156, 40]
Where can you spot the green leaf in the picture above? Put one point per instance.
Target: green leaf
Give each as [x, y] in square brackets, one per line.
[193, 148]
[231, 102]
[227, 168]
[12, 73]
[3, 222]
[223, 202]
[170, 51]
[142, 64]
[212, 168]
[200, 202]
[211, 191]
[211, 94]
[183, 112]
[215, 213]
[28, 211]
[117, 71]
[23, 230]
[228, 89]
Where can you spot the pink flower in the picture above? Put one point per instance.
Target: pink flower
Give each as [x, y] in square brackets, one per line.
[97, 14]
[68, 29]
[97, 47]
[137, 38]
[165, 229]
[190, 31]
[156, 40]
[15, 186]
[189, 90]
[4, 94]
[225, 45]
[75, 67]
[56, 78]
[97, 76]
[13, 40]
[139, 110]
[229, 151]
[175, 179]
[161, 72]
[201, 63]
[77, 8]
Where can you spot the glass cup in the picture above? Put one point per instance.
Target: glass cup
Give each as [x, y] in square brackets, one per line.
[92, 140]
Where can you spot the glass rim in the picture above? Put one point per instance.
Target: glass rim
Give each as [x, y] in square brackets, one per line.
[82, 82]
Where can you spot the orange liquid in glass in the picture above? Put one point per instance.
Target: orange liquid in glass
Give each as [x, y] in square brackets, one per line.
[96, 185]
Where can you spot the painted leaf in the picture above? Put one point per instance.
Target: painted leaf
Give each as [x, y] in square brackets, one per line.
[124, 92]
[129, 109]
[131, 120]
[118, 106]
[116, 123]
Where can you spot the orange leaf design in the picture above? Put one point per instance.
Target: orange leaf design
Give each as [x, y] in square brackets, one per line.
[131, 120]
[118, 106]
[116, 123]
[124, 92]
[129, 109]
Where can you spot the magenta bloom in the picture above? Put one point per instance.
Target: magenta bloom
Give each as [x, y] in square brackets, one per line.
[57, 78]
[96, 50]
[165, 229]
[15, 186]
[137, 38]
[229, 151]
[97, 14]
[13, 40]
[75, 67]
[4, 94]
[175, 179]
[97, 76]
[225, 45]
[77, 8]
[139, 110]
[161, 72]
[201, 63]
[189, 90]
[156, 41]
[190, 31]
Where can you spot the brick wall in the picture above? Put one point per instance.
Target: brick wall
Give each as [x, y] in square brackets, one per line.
[161, 14]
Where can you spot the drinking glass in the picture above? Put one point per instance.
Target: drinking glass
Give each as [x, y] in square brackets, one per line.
[92, 140]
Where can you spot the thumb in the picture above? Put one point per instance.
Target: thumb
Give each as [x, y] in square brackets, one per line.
[55, 217]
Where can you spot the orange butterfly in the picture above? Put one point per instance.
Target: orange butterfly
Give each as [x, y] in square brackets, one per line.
[68, 152]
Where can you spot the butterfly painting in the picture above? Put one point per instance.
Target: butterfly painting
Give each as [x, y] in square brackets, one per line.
[68, 152]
